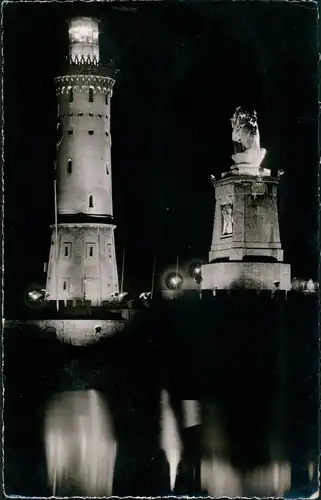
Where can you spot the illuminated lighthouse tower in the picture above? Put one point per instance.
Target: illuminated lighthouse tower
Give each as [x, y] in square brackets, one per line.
[82, 262]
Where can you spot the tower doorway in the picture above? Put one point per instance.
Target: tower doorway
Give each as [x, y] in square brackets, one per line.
[89, 287]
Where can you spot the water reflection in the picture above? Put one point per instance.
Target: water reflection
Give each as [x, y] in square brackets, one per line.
[81, 447]
[80, 444]
[218, 401]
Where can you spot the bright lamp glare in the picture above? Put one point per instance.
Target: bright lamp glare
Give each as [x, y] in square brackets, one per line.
[80, 31]
[197, 270]
[84, 31]
[34, 295]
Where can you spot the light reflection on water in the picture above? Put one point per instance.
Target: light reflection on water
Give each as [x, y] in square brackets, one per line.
[80, 444]
[79, 437]
[81, 451]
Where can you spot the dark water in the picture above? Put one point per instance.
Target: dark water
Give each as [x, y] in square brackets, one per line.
[255, 359]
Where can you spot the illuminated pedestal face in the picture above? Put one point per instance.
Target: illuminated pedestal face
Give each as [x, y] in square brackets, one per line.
[248, 275]
[246, 219]
[83, 265]
[246, 249]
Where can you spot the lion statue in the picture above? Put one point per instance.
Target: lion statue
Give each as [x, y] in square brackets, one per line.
[245, 130]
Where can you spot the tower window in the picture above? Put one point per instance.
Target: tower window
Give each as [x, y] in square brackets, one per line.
[90, 132]
[100, 115]
[90, 250]
[69, 167]
[70, 95]
[70, 114]
[91, 201]
[67, 250]
[91, 114]
[107, 170]
[106, 100]
[70, 132]
[106, 134]
[80, 113]
[65, 284]
[91, 95]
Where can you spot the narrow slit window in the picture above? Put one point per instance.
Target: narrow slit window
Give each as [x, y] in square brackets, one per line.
[67, 250]
[71, 95]
[91, 95]
[106, 99]
[66, 284]
[90, 250]
[91, 201]
[69, 167]
[107, 169]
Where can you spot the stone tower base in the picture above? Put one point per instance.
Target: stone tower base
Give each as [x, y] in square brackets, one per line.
[82, 263]
[248, 275]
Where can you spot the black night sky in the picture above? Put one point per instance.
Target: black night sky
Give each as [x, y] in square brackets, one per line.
[184, 67]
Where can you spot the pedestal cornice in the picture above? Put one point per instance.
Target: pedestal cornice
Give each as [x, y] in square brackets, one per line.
[95, 225]
[237, 179]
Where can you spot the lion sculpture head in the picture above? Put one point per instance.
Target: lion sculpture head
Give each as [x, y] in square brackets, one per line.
[245, 130]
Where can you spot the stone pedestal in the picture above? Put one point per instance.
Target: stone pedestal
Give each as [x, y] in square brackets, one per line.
[248, 275]
[246, 247]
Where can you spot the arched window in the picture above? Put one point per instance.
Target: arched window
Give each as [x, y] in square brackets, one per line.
[70, 132]
[70, 95]
[69, 167]
[91, 201]
[91, 95]
[90, 132]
